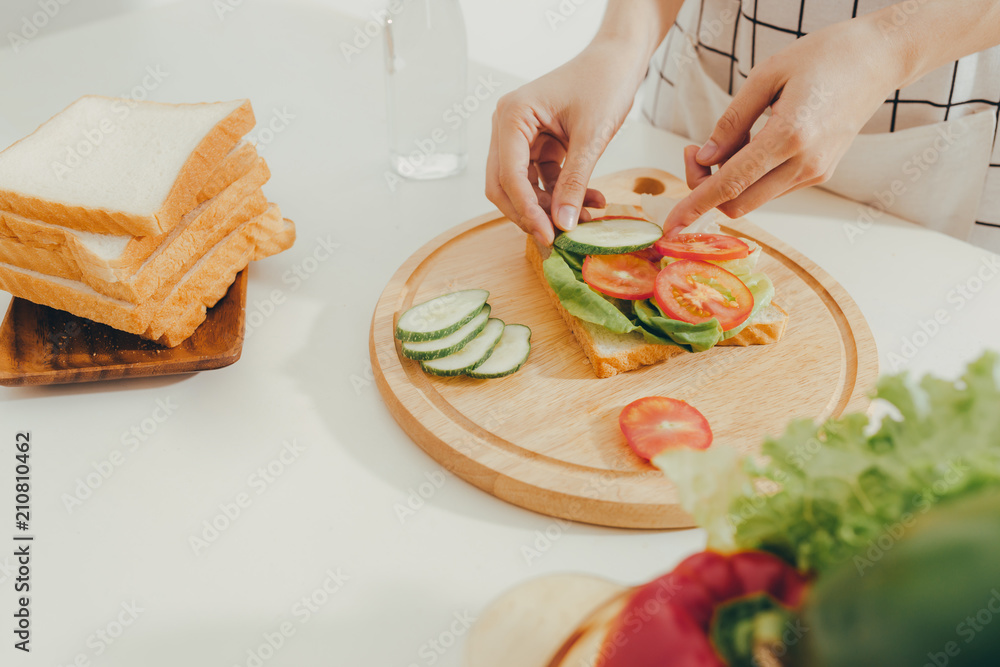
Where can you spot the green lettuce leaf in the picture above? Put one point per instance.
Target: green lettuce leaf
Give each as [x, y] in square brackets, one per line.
[763, 291]
[695, 337]
[580, 300]
[746, 266]
[563, 273]
[572, 259]
[821, 494]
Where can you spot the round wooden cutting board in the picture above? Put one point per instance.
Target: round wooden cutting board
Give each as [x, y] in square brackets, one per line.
[547, 437]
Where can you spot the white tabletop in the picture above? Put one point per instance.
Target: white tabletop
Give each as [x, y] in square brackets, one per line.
[408, 582]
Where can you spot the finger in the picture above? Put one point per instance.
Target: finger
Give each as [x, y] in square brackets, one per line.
[571, 188]
[496, 194]
[533, 175]
[594, 199]
[494, 191]
[544, 198]
[785, 179]
[695, 174]
[748, 104]
[548, 155]
[764, 153]
[549, 174]
[513, 155]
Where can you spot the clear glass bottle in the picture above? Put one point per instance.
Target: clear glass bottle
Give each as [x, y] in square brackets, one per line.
[426, 58]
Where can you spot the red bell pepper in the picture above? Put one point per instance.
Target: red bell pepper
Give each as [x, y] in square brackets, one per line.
[669, 621]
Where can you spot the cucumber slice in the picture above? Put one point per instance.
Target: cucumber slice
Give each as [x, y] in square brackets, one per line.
[442, 347]
[509, 354]
[440, 316]
[470, 356]
[609, 237]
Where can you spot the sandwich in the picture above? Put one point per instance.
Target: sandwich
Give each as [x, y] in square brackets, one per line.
[634, 297]
[148, 224]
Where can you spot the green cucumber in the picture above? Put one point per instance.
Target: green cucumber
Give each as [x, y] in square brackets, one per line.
[509, 354]
[442, 347]
[440, 316]
[470, 356]
[609, 237]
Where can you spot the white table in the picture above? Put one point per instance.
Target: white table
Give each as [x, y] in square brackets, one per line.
[305, 377]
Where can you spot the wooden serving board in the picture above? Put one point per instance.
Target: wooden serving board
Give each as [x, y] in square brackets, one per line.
[547, 437]
[40, 345]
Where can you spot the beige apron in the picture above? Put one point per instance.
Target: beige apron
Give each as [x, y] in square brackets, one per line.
[932, 175]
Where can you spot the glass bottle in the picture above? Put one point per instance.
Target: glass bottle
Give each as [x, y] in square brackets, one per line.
[426, 58]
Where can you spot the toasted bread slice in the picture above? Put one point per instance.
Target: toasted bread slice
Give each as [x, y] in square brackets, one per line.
[610, 353]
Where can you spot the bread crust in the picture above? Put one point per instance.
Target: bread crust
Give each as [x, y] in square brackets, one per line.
[134, 277]
[639, 352]
[182, 197]
[38, 233]
[175, 307]
[279, 234]
[182, 316]
[236, 164]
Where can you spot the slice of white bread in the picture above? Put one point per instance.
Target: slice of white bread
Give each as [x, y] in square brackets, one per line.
[279, 237]
[237, 162]
[610, 353]
[115, 166]
[114, 257]
[187, 292]
[135, 273]
[184, 309]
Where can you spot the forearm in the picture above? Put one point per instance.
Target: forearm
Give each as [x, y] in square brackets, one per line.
[636, 27]
[932, 33]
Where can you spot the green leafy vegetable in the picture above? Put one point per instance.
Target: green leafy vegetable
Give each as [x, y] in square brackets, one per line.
[924, 591]
[580, 300]
[763, 291]
[572, 259]
[823, 493]
[562, 271]
[658, 328]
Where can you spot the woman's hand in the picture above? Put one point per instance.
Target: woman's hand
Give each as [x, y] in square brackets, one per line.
[821, 89]
[548, 135]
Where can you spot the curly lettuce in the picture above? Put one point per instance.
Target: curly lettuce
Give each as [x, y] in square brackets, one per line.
[823, 493]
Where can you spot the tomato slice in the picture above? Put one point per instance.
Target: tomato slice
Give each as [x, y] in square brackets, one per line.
[654, 424]
[620, 276]
[715, 247]
[695, 292]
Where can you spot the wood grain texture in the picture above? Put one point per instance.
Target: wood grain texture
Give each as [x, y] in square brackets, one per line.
[40, 345]
[547, 438]
[545, 622]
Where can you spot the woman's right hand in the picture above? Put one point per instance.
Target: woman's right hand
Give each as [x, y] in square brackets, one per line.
[549, 134]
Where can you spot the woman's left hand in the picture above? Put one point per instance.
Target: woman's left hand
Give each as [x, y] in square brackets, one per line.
[821, 89]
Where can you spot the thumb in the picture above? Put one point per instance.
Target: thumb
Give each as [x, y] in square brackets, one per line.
[571, 187]
[736, 121]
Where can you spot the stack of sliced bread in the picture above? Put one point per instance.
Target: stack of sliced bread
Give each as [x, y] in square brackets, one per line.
[138, 215]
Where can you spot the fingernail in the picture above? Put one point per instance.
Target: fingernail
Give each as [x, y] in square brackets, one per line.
[707, 152]
[567, 217]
